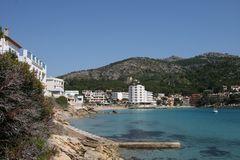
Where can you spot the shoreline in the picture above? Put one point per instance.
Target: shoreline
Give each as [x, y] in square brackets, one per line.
[73, 143]
[69, 140]
[117, 107]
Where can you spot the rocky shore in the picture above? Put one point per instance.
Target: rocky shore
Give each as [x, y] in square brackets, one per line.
[70, 143]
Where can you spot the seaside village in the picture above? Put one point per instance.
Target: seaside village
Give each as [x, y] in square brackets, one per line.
[136, 96]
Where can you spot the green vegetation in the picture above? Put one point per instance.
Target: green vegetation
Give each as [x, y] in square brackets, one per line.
[185, 76]
[39, 143]
[83, 84]
[24, 112]
[62, 102]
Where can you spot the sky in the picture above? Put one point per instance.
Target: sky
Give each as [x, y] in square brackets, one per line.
[71, 35]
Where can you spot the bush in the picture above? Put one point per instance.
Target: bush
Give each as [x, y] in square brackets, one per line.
[24, 113]
[48, 105]
[62, 102]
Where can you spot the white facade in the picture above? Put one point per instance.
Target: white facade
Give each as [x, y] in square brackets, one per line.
[119, 95]
[74, 98]
[55, 87]
[7, 44]
[97, 96]
[36, 65]
[149, 97]
[87, 94]
[71, 93]
[138, 94]
[80, 99]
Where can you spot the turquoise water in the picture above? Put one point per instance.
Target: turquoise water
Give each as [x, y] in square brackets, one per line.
[204, 135]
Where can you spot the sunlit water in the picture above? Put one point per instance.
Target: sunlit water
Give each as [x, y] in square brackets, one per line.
[203, 134]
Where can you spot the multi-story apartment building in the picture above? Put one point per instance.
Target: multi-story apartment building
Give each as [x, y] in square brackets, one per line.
[138, 95]
[119, 96]
[87, 95]
[7, 44]
[36, 65]
[55, 87]
[97, 96]
[149, 97]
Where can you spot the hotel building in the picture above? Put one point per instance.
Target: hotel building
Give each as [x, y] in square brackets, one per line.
[55, 87]
[7, 44]
[138, 95]
[97, 96]
[74, 98]
[119, 96]
[36, 65]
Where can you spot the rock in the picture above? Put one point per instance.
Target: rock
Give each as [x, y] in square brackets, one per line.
[94, 155]
[88, 143]
[61, 156]
[99, 148]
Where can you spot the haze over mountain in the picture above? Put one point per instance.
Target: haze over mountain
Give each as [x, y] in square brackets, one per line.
[169, 75]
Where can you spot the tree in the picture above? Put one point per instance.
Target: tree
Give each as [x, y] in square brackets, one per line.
[21, 104]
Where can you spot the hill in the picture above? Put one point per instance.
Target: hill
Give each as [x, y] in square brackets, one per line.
[170, 75]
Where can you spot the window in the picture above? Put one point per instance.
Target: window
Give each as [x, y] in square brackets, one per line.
[29, 54]
[21, 52]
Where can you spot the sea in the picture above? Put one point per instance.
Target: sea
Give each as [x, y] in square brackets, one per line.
[204, 135]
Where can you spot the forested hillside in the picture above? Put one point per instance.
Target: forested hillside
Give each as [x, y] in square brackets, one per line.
[170, 75]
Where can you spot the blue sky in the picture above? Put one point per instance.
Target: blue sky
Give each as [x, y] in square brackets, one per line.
[72, 35]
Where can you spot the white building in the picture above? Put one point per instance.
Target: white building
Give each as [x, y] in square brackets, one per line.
[55, 87]
[119, 96]
[97, 96]
[74, 98]
[138, 95]
[87, 95]
[36, 65]
[71, 93]
[7, 44]
[149, 97]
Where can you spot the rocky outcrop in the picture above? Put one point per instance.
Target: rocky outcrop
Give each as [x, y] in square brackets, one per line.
[75, 144]
[126, 68]
[81, 149]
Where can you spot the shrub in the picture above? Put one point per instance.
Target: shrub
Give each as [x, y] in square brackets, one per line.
[22, 109]
[62, 102]
[48, 105]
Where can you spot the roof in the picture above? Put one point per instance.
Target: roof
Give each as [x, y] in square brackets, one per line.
[53, 78]
[12, 41]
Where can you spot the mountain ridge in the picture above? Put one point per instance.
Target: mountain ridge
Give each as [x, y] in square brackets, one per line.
[173, 74]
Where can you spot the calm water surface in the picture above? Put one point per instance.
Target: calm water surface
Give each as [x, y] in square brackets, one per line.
[204, 135]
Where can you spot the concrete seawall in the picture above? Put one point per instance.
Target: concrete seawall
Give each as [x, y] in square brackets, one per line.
[149, 145]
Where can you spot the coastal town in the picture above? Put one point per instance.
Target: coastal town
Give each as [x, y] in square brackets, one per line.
[137, 95]
[119, 80]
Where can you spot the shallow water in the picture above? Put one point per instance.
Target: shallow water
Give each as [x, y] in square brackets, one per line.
[204, 135]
